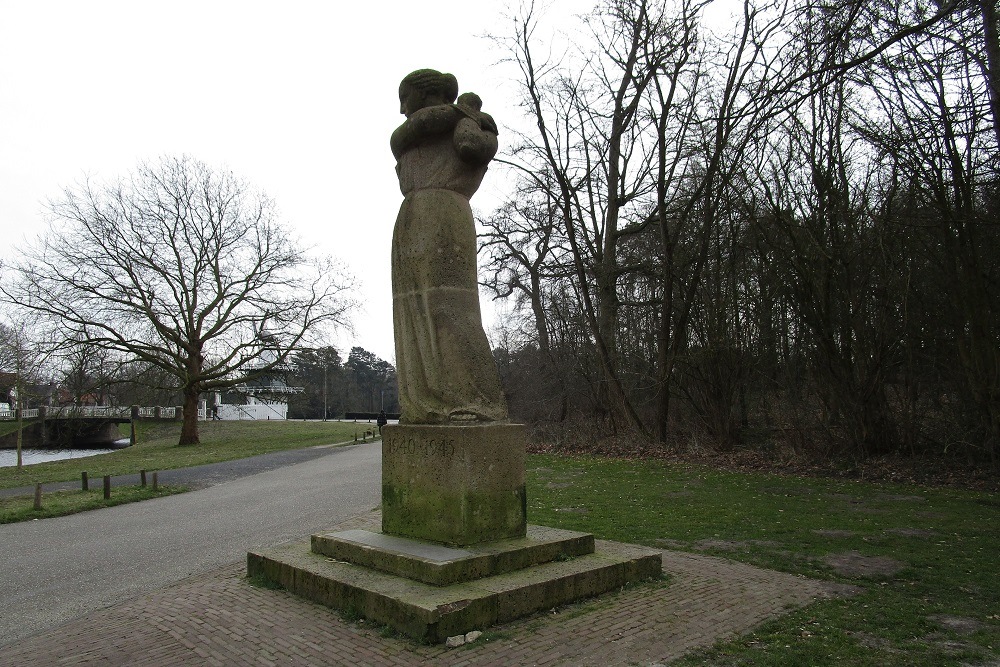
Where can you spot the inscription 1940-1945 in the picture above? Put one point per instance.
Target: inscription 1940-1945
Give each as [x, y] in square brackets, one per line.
[431, 447]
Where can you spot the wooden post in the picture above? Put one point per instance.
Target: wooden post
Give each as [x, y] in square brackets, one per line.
[156, 485]
[142, 478]
[84, 483]
[38, 496]
[107, 487]
[133, 418]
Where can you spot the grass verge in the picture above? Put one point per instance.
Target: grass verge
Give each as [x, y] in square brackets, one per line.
[61, 503]
[923, 559]
[157, 448]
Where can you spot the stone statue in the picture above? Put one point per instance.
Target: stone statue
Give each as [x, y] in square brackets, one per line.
[446, 370]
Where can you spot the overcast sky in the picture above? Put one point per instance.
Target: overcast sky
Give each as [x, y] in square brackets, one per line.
[297, 97]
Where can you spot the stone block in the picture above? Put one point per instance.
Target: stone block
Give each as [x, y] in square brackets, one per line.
[439, 565]
[457, 485]
[434, 613]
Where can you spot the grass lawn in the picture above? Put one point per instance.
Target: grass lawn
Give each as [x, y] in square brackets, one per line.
[61, 503]
[924, 560]
[157, 448]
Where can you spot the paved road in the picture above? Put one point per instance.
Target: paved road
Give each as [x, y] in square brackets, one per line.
[194, 477]
[57, 569]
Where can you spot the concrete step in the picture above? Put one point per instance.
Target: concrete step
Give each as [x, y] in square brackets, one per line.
[440, 565]
[432, 613]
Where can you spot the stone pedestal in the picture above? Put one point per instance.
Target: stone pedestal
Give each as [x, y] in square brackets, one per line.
[431, 592]
[458, 485]
[455, 552]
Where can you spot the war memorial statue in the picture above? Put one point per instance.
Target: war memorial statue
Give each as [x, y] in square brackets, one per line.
[443, 361]
[453, 470]
[454, 552]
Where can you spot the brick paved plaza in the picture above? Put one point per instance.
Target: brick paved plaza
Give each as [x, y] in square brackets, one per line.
[218, 618]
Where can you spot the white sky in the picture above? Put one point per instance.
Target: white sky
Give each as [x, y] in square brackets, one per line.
[298, 97]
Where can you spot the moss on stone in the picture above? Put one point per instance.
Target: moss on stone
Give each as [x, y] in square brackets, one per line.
[457, 518]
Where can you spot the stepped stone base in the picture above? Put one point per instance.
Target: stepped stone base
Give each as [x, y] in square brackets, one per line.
[439, 565]
[391, 580]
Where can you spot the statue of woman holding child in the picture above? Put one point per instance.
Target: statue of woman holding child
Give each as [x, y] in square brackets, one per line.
[446, 370]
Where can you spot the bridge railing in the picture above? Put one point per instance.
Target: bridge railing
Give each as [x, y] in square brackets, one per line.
[89, 411]
[8, 415]
[93, 412]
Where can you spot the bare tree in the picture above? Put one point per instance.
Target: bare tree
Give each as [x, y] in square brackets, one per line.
[594, 144]
[935, 129]
[182, 267]
[525, 254]
[24, 354]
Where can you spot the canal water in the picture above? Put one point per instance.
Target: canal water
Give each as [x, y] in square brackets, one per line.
[8, 457]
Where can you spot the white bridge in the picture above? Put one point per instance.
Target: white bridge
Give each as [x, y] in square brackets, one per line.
[102, 412]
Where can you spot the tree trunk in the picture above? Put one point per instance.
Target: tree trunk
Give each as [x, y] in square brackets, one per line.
[991, 37]
[189, 427]
[20, 436]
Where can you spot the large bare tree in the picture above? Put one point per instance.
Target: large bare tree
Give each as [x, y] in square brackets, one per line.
[181, 266]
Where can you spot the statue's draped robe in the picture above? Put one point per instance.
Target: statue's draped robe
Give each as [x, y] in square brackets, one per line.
[445, 368]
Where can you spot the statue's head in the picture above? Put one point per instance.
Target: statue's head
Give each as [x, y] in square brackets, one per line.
[424, 88]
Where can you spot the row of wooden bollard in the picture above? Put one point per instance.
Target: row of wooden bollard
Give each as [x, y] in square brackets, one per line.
[85, 486]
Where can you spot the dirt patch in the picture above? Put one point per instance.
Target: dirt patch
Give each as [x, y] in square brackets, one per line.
[787, 491]
[951, 646]
[861, 509]
[558, 485]
[844, 497]
[732, 545]
[902, 498]
[668, 543]
[873, 642]
[911, 532]
[834, 532]
[573, 510]
[958, 624]
[677, 494]
[721, 545]
[854, 564]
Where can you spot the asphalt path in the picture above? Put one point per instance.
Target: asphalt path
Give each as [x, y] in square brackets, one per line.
[53, 570]
[194, 477]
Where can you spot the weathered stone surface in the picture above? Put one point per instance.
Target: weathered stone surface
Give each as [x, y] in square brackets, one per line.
[443, 360]
[458, 485]
[433, 613]
[441, 566]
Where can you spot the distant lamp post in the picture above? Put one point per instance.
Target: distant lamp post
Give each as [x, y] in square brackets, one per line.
[326, 365]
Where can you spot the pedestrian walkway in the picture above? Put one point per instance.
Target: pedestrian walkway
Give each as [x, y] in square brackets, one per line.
[218, 618]
[197, 477]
